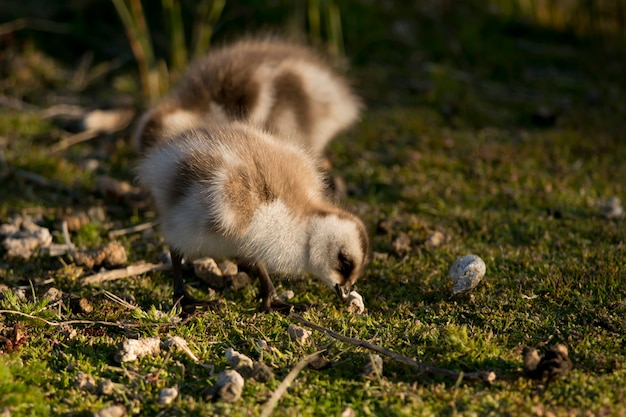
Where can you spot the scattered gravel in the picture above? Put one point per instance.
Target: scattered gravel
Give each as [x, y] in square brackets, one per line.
[207, 270]
[401, 245]
[298, 334]
[242, 363]
[466, 272]
[168, 395]
[373, 367]
[435, 239]
[85, 382]
[555, 363]
[229, 386]
[131, 349]
[611, 208]
[228, 268]
[262, 373]
[286, 295]
[112, 255]
[22, 237]
[116, 410]
[105, 387]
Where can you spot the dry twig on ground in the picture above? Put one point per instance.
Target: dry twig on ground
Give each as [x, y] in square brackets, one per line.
[458, 376]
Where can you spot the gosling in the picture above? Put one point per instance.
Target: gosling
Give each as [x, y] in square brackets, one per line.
[233, 190]
[281, 86]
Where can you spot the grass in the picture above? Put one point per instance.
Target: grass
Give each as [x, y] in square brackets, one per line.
[448, 143]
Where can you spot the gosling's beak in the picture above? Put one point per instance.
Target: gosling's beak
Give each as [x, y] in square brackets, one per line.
[343, 291]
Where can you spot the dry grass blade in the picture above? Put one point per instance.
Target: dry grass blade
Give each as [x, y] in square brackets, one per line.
[121, 273]
[271, 404]
[133, 229]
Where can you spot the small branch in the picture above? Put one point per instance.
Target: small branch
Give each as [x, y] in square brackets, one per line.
[271, 404]
[66, 237]
[71, 322]
[137, 228]
[121, 273]
[73, 140]
[470, 376]
[34, 24]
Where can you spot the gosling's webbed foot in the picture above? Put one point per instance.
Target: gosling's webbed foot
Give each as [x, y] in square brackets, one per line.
[283, 307]
[188, 303]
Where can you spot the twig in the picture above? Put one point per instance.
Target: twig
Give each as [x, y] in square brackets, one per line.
[129, 271]
[31, 23]
[271, 404]
[182, 344]
[73, 140]
[470, 376]
[137, 228]
[36, 284]
[66, 237]
[70, 322]
[118, 300]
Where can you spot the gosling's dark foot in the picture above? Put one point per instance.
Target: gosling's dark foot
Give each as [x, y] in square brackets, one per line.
[283, 307]
[189, 304]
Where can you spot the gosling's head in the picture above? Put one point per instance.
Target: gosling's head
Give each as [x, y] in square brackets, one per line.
[338, 250]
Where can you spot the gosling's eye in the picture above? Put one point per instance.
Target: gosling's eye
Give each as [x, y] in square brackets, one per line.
[346, 265]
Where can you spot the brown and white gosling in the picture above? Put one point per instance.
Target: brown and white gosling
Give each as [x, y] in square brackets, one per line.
[281, 86]
[232, 190]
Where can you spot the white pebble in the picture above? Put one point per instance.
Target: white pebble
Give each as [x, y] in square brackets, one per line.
[299, 334]
[168, 395]
[229, 385]
[355, 303]
[131, 349]
[466, 272]
[116, 410]
[239, 361]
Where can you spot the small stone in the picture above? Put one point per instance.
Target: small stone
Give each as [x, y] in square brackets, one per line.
[116, 410]
[53, 294]
[207, 270]
[385, 226]
[555, 363]
[131, 349]
[262, 373]
[85, 382]
[298, 334]
[373, 367]
[168, 395]
[319, 363]
[105, 387]
[435, 239]
[612, 208]
[466, 272]
[286, 295]
[20, 293]
[355, 303]
[238, 281]
[401, 245]
[228, 268]
[112, 255]
[239, 361]
[348, 412]
[68, 331]
[80, 305]
[229, 386]
[262, 344]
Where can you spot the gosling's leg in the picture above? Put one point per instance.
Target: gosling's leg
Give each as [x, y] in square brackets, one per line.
[269, 298]
[181, 297]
